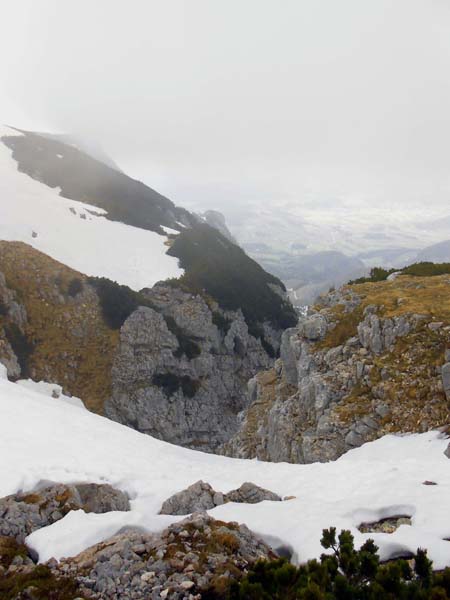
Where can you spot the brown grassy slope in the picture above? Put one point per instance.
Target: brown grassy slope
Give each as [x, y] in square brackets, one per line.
[429, 296]
[72, 344]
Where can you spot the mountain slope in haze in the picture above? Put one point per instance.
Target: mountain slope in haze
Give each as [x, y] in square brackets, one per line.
[175, 319]
[78, 234]
[436, 253]
[102, 222]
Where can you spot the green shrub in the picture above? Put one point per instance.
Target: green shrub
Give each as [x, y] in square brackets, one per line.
[171, 383]
[45, 585]
[187, 345]
[345, 574]
[222, 323]
[75, 287]
[217, 267]
[21, 346]
[117, 301]
[427, 269]
[421, 269]
[376, 274]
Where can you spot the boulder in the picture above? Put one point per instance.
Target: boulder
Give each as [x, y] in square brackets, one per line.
[200, 497]
[249, 493]
[313, 328]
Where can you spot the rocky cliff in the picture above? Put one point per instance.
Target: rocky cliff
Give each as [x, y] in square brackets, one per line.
[368, 360]
[182, 368]
[166, 361]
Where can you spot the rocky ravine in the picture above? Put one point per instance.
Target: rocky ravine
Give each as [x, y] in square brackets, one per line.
[369, 360]
[181, 369]
[176, 369]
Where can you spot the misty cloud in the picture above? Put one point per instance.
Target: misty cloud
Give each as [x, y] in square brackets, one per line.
[223, 104]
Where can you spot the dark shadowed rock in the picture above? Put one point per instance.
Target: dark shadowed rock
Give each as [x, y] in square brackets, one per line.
[447, 451]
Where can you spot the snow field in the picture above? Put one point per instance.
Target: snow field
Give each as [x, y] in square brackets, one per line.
[46, 439]
[77, 234]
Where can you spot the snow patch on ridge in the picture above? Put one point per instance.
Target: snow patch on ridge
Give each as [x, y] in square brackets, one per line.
[75, 233]
[46, 439]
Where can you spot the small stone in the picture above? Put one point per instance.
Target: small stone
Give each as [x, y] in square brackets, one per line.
[164, 593]
[426, 482]
[187, 585]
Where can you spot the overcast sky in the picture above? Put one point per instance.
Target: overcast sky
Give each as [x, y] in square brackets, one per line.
[224, 102]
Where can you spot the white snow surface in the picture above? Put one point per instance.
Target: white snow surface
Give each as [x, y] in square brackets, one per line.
[44, 439]
[50, 389]
[69, 232]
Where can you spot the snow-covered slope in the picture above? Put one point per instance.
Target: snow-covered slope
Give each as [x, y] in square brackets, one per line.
[77, 234]
[43, 438]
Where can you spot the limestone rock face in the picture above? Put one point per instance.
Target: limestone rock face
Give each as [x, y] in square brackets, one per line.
[21, 514]
[377, 334]
[13, 318]
[446, 379]
[182, 368]
[347, 374]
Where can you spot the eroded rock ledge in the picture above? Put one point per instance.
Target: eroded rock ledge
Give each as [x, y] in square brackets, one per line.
[360, 366]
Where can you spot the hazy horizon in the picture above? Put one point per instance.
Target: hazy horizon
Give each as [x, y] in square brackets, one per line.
[316, 110]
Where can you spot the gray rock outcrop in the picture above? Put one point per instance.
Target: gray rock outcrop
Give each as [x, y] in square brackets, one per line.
[200, 496]
[379, 335]
[446, 379]
[182, 368]
[341, 381]
[13, 319]
[249, 493]
[23, 513]
[169, 565]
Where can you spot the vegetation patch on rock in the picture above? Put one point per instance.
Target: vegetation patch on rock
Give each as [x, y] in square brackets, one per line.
[345, 574]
